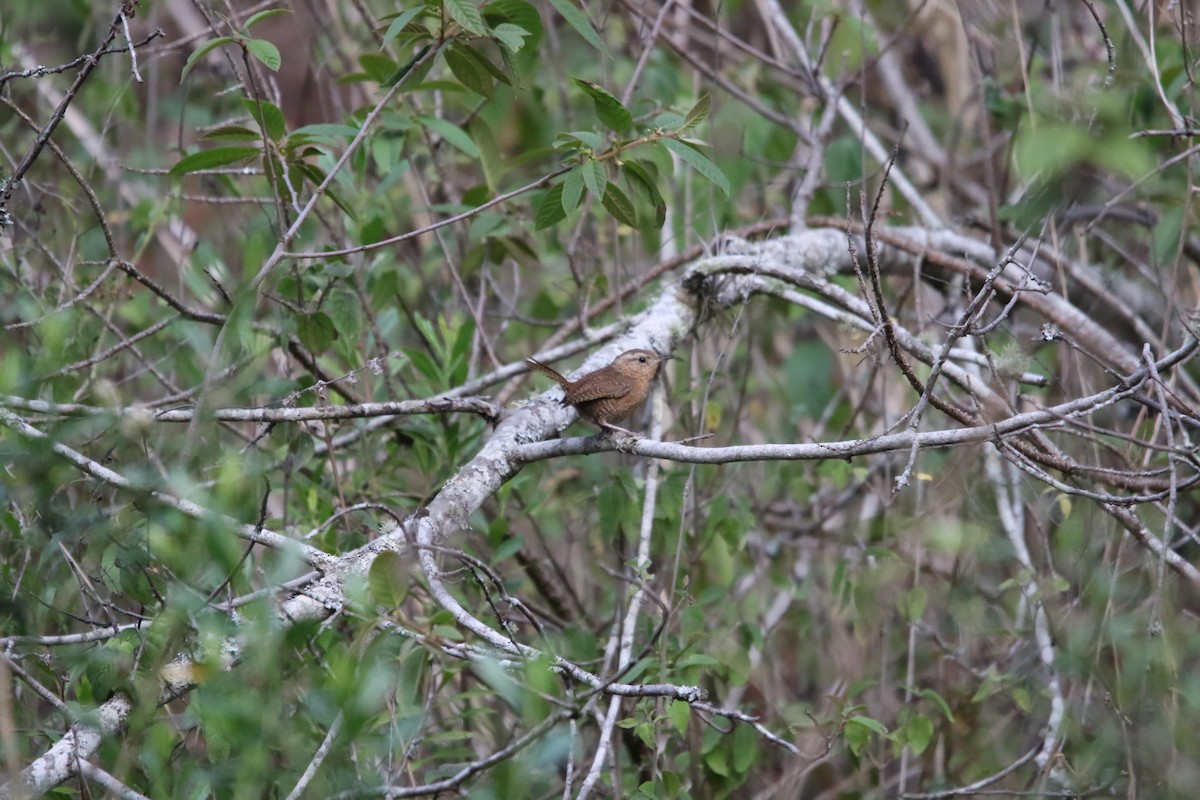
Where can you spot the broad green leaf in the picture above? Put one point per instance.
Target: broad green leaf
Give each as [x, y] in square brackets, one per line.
[316, 331]
[233, 132]
[579, 21]
[939, 701]
[327, 129]
[489, 153]
[519, 13]
[699, 162]
[867, 722]
[424, 364]
[699, 112]
[511, 36]
[262, 15]
[593, 178]
[608, 108]
[588, 140]
[346, 312]
[680, 713]
[405, 69]
[912, 603]
[469, 73]
[201, 51]
[465, 13]
[718, 761]
[211, 159]
[265, 52]
[267, 114]
[485, 63]
[745, 748]
[669, 121]
[387, 579]
[316, 176]
[378, 67]
[641, 178]
[399, 23]
[618, 205]
[451, 133]
[697, 660]
[572, 189]
[508, 548]
[550, 209]
[919, 733]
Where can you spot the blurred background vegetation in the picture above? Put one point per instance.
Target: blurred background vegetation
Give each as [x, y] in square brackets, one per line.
[994, 618]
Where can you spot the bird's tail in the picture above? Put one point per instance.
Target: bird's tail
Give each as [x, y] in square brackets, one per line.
[547, 371]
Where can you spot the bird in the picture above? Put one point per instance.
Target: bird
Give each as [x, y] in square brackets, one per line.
[609, 394]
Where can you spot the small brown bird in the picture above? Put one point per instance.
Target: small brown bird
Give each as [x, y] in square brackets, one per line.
[610, 393]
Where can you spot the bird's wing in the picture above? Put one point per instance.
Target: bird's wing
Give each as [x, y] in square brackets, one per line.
[594, 387]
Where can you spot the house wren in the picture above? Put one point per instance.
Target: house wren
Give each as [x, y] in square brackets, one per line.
[610, 393]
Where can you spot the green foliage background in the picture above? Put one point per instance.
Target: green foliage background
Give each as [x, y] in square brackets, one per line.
[890, 637]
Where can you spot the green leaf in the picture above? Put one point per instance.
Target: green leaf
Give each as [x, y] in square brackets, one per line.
[511, 36]
[326, 129]
[580, 140]
[594, 178]
[867, 722]
[913, 603]
[469, 73]
[641, 179]
[485, 63]
[858, 730]
[489, 153]
[608, 108]
[680, 713]
[211, 159]
[919, 733]
[265, 52]
[451, 133]
[699, 162]
[260, 16]
[718, 761]
[316, 331]
[572, 189]
[399, 23]
[316, 176]
[745, 748]
[424, 365]
[618, 205]
[518, 13]
[346, 312]
[669, 121]
[232, 132]
[378, 67]
[698, 113]
[267, 114]
[387, 579]
[550, 209]
[938, 700]
[201, 51]
[465, 13]
[405, 69]
[697, 660]
[508, 548]
[579, 21]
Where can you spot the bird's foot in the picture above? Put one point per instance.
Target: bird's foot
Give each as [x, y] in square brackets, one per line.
[624, 439]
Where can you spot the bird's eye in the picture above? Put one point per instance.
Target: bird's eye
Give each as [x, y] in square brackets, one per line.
[642, 359]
